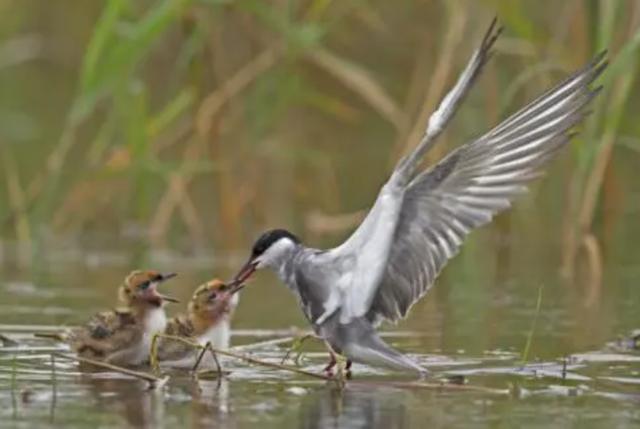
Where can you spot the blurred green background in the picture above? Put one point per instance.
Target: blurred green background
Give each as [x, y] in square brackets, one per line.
[183, 128]
[195, 124]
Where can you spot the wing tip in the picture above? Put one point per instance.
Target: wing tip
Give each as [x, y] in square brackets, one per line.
[600, 56]
[598, 66]
[490, 36]
[596, 91]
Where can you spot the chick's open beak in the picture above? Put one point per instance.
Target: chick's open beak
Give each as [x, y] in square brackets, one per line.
[163, 279]
[167, 276]
[168, 298]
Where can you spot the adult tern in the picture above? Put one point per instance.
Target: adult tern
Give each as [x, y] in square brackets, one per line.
[421, 217]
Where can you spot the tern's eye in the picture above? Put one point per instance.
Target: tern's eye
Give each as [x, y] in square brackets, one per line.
[222, 288]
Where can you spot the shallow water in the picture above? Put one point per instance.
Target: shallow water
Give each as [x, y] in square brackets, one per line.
[498, 390]
[578, 373]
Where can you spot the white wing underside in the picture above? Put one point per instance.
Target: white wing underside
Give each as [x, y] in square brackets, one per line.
[419, 221]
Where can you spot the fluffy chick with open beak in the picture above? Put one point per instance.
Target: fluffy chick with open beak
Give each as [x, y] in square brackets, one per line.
[208, 320]
[123, 336]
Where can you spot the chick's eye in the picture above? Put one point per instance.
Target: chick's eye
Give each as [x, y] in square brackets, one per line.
[212, 296]
[145, 285]
[222, 288]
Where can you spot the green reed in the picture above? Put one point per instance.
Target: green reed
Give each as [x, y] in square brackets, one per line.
[527, 347]
[199, 116]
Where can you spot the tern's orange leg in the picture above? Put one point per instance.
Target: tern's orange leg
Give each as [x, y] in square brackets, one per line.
[332, 362]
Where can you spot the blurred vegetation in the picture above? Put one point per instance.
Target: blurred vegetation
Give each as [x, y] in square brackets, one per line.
[191, 124]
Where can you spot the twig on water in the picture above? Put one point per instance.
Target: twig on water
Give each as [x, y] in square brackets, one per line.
[14, 386]
[263, 344]
[154, 382]
[52, 362]
[54, 389]
[273, 365]
[199, 359]
[208, 348]
[4, 327]
[58, 336]
[8, 342]
[248, 359]
[153, 354]
[296, 346]
[441, 386]
[341, 373]
[155, 364]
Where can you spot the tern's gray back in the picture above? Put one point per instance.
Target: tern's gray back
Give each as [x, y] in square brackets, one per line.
[310, 275]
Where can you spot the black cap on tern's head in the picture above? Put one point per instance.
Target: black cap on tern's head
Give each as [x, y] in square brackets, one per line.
[267, 251]
[268, 238]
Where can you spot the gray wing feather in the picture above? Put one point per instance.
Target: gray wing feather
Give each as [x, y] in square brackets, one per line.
[449, 104]
[311, 280]
[372, 241]
[473, 183]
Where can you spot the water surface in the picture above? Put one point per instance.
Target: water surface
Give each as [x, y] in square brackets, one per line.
[468, 330]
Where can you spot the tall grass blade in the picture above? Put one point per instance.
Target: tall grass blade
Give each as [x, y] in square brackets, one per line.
[532, 331]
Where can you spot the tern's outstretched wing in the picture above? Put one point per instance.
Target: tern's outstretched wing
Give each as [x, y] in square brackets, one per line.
[473, 183]
[449, 105]
[370, 244]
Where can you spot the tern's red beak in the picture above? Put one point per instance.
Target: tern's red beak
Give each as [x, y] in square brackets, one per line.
[245, 272]
[234, 287]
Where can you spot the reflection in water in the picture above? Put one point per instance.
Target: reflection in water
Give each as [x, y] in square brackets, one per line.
[140, 407]
[356, 407]
[132, 400]
[210, 406]
[252, 398]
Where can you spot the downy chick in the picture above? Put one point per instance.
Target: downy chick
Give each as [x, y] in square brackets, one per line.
[123, 336]
[208, 319]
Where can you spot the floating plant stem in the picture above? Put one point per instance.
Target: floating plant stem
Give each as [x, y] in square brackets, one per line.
[8, 342]
[54, 389]
[527, 346]
[14, 386]
[296, 347]
[262, 344]
[207, 348]
[249, 359]
[441, 386]
[154, 382]
[52, 362]
[153, 354]
[57, 336]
